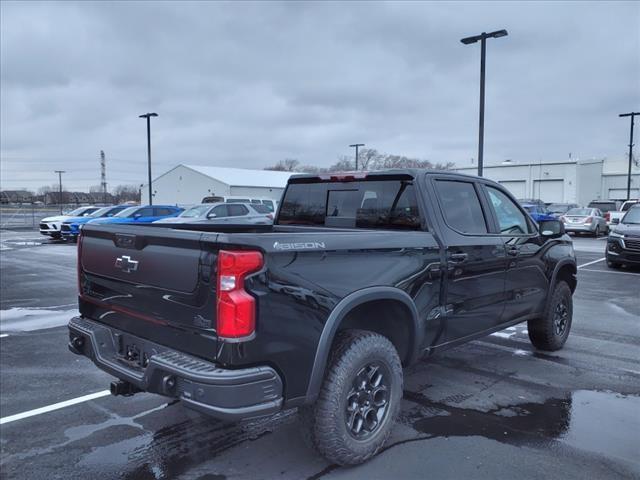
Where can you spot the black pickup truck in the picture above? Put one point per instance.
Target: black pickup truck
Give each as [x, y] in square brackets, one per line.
[361, 275]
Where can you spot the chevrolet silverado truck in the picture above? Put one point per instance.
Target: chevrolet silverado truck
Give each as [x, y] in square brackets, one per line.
[395, 266]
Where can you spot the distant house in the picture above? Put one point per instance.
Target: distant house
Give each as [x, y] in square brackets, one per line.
[16, 196]
[189, 184]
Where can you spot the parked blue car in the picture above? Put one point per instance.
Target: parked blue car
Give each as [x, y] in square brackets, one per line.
[141, 214]
[538, 212]
[70, 229]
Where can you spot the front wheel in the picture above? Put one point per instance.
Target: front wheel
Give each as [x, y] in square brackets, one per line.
[551, 330]
[597, 232]
[359, 400]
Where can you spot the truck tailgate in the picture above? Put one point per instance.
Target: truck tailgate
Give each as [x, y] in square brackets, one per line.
[158, 284]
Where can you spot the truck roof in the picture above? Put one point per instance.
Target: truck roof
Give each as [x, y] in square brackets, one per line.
[412, 172]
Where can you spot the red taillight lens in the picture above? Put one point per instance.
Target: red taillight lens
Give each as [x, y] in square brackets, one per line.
[588, 220]
[270, 216]
[236, 309]
[607, 216]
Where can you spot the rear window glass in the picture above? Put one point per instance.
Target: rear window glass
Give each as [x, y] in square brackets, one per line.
[386, 204]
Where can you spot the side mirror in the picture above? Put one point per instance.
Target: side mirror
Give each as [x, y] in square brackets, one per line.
[551, 228]
[212, 215]
[136, 216]
[615, 221]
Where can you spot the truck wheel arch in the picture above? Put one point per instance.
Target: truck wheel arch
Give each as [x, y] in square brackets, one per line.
[565, 271]
[340, 314]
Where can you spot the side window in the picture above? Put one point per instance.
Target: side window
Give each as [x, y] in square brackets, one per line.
[461, 206]
[510, 217]
[144, 212]
[220, 211]
[237, 210]
[162, 211]
[268, 204]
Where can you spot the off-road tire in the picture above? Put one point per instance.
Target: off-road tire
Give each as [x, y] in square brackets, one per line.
[544, 331]
[326, 420]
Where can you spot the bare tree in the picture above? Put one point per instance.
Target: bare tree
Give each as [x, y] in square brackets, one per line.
[286, 165]
[126, 193]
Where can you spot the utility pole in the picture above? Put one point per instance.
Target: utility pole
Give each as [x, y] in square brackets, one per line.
[60, 172]
[632, 115]
[356, 145]
[103, 176]
[148, 117]
[483, 53]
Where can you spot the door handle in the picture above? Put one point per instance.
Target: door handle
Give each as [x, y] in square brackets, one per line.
[458, 257]
[513, 251]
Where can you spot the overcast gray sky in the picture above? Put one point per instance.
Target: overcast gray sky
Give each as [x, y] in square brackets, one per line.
[248, 84]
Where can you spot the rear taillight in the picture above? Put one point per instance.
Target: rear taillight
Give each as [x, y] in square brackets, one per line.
[607, 216]
[80, 263]
[236, 309]
[270, 216]
[588, 220]
[562, 219]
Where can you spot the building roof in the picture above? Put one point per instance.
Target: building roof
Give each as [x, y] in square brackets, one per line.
[242, 177]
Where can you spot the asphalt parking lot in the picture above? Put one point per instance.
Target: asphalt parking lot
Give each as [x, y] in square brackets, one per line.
[494, 408]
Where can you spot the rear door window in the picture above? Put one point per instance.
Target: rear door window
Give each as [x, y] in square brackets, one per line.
[163, 211]
[237, 210]
[461, 206]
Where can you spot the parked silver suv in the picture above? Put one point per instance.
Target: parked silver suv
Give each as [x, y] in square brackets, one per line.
[224, 213]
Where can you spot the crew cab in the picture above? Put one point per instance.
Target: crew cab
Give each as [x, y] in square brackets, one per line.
[360, 275]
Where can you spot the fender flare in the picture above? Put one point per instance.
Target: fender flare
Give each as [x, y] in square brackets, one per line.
[341, 310]
[557, 268]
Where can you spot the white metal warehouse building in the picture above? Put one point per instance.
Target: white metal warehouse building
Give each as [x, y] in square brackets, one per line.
[189, 184]
[568, 181]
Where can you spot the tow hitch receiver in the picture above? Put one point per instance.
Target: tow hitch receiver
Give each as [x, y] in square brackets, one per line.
[123, 388]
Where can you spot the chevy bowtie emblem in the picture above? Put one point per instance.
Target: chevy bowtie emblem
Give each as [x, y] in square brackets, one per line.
[127, 265]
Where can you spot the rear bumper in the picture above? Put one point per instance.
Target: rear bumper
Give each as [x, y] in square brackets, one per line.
[568, 227]
[201, 385]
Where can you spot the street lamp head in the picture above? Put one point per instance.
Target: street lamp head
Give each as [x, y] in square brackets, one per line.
[484, 35]
[630, 114]
[357, 145]
[147, 115]
[469, 40]
[498, 34]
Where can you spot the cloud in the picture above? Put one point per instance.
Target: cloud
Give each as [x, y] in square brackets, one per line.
[248, 84]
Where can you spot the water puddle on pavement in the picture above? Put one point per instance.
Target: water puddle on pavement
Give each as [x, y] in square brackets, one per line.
[598, 422]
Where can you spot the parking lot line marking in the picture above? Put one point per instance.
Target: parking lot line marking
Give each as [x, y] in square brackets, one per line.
[2, 335]
[591, 263]
[55, 406]
[611, 271]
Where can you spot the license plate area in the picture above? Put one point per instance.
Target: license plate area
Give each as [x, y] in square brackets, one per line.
[133, 352]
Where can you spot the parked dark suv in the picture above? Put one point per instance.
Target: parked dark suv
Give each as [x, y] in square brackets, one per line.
[361, 275]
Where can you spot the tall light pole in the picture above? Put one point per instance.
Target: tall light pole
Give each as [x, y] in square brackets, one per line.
[483, 52]
[356, 145]
[60, 172]
[632, 115]
[148, 117]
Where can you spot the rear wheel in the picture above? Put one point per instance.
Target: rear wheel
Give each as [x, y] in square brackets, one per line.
[597, 232]
[359, 400]
[551, 330]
